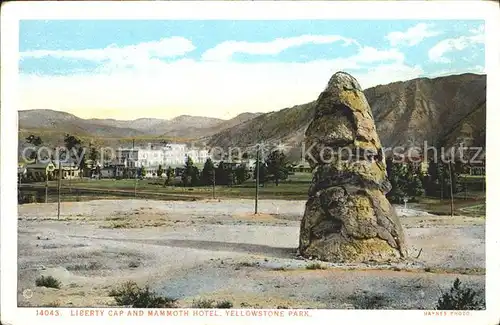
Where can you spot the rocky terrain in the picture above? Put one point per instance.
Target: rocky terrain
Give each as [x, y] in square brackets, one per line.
[441, 110]
[221, 250]
[347, 217]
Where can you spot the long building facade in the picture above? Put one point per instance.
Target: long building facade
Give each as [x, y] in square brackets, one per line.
[167, 155]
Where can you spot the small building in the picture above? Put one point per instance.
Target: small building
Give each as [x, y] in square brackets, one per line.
[478, 168]
[178, 171]
[303, 167]
[116, 170]
[151, 172]
[21, 172]
[108, 172]
[68, 170]
[91, 169]
[228, 165]
[39, 171]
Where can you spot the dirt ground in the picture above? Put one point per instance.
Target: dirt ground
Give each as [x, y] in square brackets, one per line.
[221, 250]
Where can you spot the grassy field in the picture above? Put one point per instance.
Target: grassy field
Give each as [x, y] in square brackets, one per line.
[295, 188]
[475, 207]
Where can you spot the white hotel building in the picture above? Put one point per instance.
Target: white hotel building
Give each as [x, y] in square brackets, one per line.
[173, 155]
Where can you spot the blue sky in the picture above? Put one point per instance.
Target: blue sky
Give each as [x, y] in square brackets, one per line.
[221, 68]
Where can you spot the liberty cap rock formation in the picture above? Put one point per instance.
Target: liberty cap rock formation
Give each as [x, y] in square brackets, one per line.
[347, 216]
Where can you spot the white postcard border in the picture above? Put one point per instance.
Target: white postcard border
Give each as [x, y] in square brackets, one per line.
[13, 12]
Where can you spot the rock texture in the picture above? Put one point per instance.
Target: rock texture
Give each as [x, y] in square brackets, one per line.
[347, 217]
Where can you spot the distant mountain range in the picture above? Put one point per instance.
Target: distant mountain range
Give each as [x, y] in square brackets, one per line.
[441, 111]
[52, 125]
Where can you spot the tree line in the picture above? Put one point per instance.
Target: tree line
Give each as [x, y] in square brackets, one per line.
[442, 180]
[275, 167]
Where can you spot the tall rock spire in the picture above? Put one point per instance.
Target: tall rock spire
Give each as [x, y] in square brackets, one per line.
[347, 216]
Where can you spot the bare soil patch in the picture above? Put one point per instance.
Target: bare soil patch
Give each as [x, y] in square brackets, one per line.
[218, 249]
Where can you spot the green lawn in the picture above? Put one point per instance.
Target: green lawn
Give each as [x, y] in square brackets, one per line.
[472, 178]
[295, 188]
[470, 207]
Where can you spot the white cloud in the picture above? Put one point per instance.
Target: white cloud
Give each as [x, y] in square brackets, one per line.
[133, 81]
[370, 54]
[225, 50]
[156, 88]
[163, 48]
[437, 52]
[412, 36]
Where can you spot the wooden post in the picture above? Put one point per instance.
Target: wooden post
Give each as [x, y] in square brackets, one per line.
[465, 186]
[213, 183]
[257, 165]
[135, 170]
[46, 186]
[20, 177]
[59, 191]
[451, 188]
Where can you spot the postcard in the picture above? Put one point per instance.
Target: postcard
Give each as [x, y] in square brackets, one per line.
[222, 162]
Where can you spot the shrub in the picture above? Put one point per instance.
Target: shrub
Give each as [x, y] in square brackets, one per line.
[248, 264]
[47, 281]
[52, 304]
[209, 303]
[130, 294]
[225, 304]
[134, 264]
[203, 303]
[369, 301]
[315, 266]
[460, 297]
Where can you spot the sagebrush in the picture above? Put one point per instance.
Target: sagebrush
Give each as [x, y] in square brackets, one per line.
[460, 297]
[315, 266]
[48, 282]
[130, 294]
[209, 303]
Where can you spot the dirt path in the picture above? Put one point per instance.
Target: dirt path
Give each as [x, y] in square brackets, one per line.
[221, 250]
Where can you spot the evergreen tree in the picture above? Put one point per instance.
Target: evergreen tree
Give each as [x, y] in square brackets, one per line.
[98, 171]
[170, 174]
[208, 173]
[415, 187]
[230, 177]
[224, 174]
[93, 155]
[241, 174]
[82, 158]
[263, 172]
[437, 183]
[413, 178]
[141, 172]
[432, 184]
[190, 176]
[277, 166]
[450, 174]
[396, 175]
[36, 141]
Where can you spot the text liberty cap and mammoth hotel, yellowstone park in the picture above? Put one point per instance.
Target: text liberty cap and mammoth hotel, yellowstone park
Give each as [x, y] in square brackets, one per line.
[255, 164]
